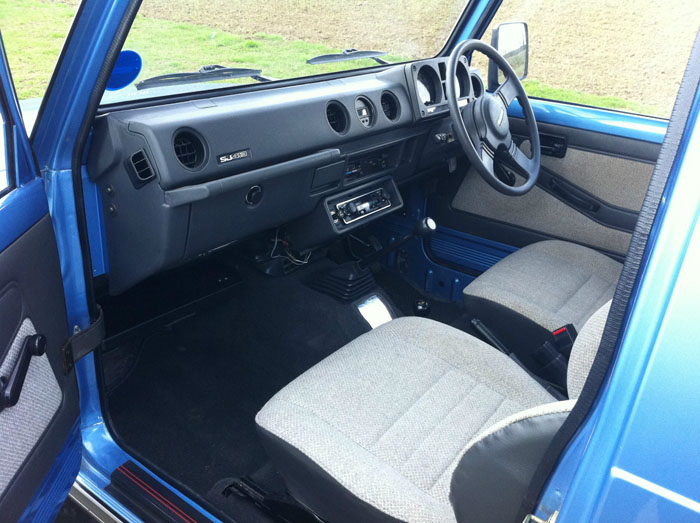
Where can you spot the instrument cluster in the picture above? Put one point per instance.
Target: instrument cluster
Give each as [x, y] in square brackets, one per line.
[428, 80]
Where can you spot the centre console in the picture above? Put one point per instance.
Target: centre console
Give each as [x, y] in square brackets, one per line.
[345, 211]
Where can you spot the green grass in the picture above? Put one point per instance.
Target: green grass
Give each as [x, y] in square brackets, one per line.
[190, 46]
[541, 90]
[34, 31]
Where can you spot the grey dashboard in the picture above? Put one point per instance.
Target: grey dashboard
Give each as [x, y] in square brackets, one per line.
[179, 180]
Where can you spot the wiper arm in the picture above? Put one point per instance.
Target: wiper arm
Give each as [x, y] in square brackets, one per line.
[348, 54]
[206, 73]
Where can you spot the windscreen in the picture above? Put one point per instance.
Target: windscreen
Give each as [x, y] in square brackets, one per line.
[249, 41]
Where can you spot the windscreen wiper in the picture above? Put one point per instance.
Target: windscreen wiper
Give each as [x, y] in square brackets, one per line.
[348, 54]
[206, 73]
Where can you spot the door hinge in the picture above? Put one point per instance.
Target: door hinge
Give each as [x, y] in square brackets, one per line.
[531, 518]
[83, 342]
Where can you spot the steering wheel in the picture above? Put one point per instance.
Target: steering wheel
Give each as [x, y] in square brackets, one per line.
[482, 126]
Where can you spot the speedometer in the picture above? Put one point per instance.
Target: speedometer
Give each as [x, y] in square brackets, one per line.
[425, 86]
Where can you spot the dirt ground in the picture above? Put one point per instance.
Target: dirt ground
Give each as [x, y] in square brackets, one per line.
[632, 49]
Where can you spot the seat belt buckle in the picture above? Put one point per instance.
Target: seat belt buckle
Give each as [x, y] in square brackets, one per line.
[563, 339]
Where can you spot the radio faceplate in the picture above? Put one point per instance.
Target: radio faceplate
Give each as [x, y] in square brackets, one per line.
[364, 205]
[348, 209]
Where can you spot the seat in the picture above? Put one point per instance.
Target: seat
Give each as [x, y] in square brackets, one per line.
[539, 288]
[376, 431]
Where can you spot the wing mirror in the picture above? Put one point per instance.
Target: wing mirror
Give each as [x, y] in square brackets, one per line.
[126, 69]
[511, 40]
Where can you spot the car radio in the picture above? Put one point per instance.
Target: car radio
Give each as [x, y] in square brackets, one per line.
[357, 208]
[351, 207]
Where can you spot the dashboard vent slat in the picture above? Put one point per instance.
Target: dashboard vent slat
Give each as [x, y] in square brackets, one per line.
[142, 166]
[189, 149]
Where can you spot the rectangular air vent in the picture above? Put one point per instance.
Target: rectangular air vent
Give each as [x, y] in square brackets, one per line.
[142, 167]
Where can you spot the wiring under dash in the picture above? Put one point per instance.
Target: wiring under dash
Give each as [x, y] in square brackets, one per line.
[280, 249]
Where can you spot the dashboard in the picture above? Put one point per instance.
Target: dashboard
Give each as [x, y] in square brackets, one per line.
[321, 158]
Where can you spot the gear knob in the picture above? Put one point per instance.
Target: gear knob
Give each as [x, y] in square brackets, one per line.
[425, 227]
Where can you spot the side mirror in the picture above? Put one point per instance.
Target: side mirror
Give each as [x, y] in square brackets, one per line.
[126, 69]
[511, 40]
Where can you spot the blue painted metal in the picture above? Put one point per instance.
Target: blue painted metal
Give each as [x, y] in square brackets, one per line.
[636, 457]
[470, 26]
[53, 490]
[25, 205]
[466, 250]
[59, 190]
[20, 209]
[96, 225]
[434, 279]
[638, 127]
[56, 132]
[54, 137]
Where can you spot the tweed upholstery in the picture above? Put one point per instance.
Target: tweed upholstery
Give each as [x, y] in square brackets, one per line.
[584, 350]
[539, 211]
[402, 401]
[22, 426]
[552, 283]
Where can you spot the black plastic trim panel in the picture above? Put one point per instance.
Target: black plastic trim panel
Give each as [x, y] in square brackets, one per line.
[599, 143]
[586, 203]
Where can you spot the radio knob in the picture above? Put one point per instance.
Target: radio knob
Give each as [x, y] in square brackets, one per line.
[352, 208]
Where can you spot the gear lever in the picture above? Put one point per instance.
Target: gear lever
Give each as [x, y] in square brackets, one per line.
[425, 227]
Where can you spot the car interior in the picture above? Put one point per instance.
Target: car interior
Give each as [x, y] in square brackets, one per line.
[373, 298]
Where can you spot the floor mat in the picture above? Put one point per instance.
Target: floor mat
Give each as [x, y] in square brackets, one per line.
[189, 403]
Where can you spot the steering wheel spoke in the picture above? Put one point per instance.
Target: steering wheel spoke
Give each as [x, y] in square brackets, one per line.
[516, 160]
[508, 91]
[487, 158]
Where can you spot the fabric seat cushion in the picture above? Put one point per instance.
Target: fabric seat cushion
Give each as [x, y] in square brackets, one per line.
[403, 401]
[552, 283]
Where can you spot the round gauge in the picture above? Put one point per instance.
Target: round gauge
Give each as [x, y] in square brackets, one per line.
[462, 83]
[426, 82]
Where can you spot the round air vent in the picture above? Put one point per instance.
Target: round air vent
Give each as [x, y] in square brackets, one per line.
[390, 106]
[189, 149]
[337, 117]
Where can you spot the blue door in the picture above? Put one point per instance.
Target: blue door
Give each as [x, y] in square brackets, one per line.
[39, 410]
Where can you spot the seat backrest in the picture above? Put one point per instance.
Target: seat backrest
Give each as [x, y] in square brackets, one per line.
[495, 470]
[584, 350]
